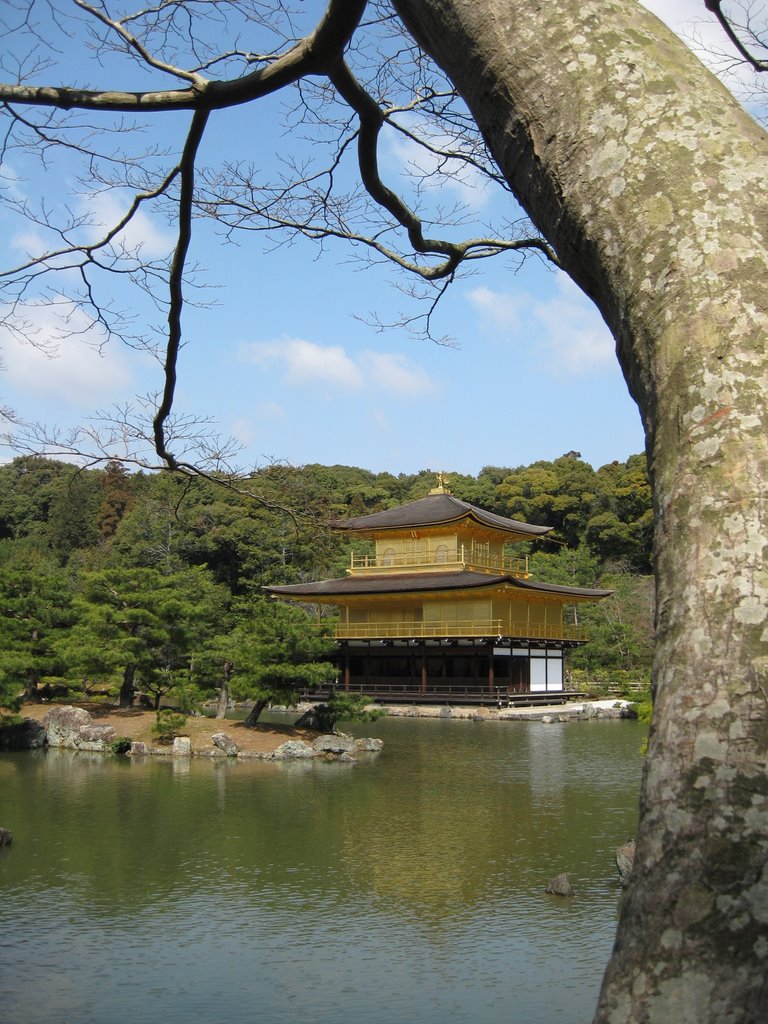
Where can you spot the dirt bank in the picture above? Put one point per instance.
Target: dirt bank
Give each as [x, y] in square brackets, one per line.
[137, 724]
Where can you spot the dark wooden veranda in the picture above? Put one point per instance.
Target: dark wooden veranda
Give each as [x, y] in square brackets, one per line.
[386, 691]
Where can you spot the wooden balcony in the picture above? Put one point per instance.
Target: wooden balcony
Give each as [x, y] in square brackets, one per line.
[385, 691]
[460, 629]
[454, 560]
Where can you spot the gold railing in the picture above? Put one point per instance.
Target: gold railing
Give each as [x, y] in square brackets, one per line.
[467, 628]
[456, 558]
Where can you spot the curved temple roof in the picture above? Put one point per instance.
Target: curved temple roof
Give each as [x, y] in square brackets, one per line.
[360, 586]
[435, 510]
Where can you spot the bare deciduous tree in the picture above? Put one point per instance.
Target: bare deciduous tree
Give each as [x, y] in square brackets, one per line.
[340, 116]
[648, 185]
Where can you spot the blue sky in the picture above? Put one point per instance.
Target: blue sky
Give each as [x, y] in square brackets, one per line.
[287, 362]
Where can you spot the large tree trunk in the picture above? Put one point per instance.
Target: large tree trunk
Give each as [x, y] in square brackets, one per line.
[127, 688]
[651, 184]
[223, 701]
[255, 713]
[30, 686]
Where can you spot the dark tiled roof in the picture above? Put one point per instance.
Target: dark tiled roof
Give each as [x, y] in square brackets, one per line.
[402, 583]
[434, 510]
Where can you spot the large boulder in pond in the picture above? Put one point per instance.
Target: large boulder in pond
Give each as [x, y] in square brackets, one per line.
[333, 744]
[64, 724]
[292, 750]
[369, 744]
[74, 729]
[560, 885]
[95, 737]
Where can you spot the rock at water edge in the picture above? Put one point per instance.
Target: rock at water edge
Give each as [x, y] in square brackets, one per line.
[225, 743]
[64, 725]
[293, 750]
[73, 728]
[331, 744]
[369, 744]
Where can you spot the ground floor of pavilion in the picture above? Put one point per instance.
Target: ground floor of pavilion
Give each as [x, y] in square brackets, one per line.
[490, 671]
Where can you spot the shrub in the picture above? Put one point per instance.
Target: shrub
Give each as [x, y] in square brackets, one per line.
[168, 725]
[644, 709]
[120, 744]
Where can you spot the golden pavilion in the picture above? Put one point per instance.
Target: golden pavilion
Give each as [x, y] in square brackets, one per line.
[441, 613]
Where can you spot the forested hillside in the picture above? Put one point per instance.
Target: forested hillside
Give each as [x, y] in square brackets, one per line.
[112, 582]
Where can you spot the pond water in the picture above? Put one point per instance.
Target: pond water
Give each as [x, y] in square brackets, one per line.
[409, 887]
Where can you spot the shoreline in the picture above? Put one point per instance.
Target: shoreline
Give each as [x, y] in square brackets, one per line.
[97, 727]
[107, 729]
[578, 711]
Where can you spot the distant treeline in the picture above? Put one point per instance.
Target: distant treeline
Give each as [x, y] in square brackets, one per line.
[112, 580]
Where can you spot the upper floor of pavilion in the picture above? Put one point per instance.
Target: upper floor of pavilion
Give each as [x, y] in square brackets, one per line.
[439, 533]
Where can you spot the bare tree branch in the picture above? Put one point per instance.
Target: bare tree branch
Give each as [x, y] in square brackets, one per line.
[333, 104]
[175, 282]
[311, 55]
[743, 49]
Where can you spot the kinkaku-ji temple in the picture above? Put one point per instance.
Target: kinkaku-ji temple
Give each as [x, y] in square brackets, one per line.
[441, 614]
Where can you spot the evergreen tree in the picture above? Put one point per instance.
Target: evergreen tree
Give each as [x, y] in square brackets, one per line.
[35, 611]
[271, 655]
[141, 628]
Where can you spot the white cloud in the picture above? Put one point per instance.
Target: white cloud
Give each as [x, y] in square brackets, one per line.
[503, 309]
[73, 369]
[10, 180]
[566, 328]
[380, 420]
[395, 374]
[243, 430]
[105, 211]
[246, 429]
[308, 364]
[305, 362]
[29, 242]
[574, 330]
[270, 411]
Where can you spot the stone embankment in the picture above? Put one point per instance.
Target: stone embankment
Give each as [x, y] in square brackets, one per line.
[331, 747]
[73, 728]
[578, 712]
